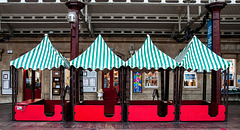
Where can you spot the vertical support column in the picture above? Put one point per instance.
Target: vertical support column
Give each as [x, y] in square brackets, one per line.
[14, 90]
[175, 94]
[80, 71]
[127, 93]
[73, 84]
[62, 93]
[166, 96]
[74, 6]
[180, 86]
[215, 9]
[162, 84]
[204, 85]
[121, 90]
[33, 84]
[226, 105]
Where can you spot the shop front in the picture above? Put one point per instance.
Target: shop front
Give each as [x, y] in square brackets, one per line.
[147, 64]
[198, 58]
[98, 57]
[33, 108]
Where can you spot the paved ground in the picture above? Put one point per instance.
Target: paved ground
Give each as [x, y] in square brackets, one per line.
[6, 123]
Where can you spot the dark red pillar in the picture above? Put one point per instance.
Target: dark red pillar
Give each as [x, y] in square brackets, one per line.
[75, 6]
[215, 9]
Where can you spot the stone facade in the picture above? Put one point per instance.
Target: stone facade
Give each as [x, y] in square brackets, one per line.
[121, 46]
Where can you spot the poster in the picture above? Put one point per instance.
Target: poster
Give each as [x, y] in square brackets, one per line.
[137, 82]
[6, 87]
[89, 81]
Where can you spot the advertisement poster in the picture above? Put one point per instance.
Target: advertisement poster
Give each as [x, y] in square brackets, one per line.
[89, 81]
[137, 79]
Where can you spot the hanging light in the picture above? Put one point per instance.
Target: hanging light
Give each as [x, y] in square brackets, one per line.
[72, 17]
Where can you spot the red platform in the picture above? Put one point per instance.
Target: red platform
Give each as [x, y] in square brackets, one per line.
[149, 111]
[198, 111]
[34, 110]
[95, 113]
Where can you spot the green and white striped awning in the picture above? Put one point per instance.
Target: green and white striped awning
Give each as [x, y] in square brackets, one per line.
[196, 56]
[98, 56]
[149, 56]
[43, 56]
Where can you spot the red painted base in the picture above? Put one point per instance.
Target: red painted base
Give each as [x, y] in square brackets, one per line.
[149, 113]
[95, 113]
[32, 110]
[200, 112]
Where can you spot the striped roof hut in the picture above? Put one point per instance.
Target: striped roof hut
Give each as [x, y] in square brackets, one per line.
[196, 56]
[150, 57]
[43, 56]
[97, 56]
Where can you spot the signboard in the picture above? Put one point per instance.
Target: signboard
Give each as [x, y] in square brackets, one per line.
[6, 88]
[137, 82]
[209, 34]
[89, 81]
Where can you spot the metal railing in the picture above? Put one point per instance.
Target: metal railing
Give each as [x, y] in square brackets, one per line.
[194, 2]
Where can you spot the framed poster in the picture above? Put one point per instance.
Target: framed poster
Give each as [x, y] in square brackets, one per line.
[56, 91]
[190, 79]
[89, 81]
[151, 79]
[137, 82]
[6, 85]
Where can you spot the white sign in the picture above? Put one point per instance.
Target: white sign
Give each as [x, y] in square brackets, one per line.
[6, 89]
[89, 81]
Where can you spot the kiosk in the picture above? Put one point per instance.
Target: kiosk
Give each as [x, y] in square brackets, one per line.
[196, 56]
[148, 59]
[43, 56]
[97, 57]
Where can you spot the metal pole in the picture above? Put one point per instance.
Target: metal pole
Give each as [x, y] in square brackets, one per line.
[72, 90]
[33, 84]
[204, 84]
[81, 83]
[13, 91]
[127, 92]
[166, 96]
[227, 94]
[162, 84]
[175, 94]
[62, 93]
[74, 6]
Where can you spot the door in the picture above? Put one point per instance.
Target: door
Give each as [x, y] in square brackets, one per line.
[110, 85]
[27, 84]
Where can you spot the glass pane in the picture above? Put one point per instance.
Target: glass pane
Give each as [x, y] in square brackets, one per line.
[37, 79]
[115, 78]
[106, 80]
[28, 79]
